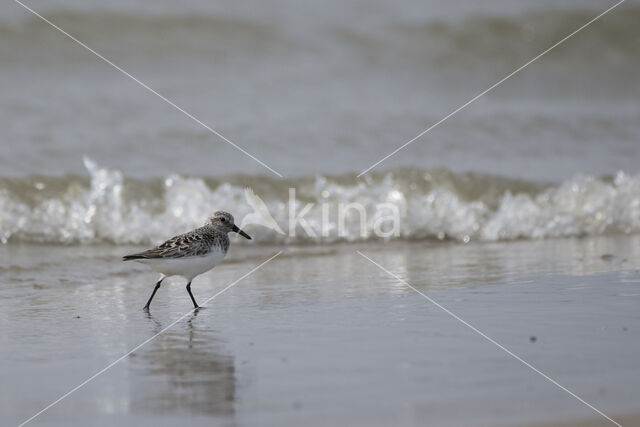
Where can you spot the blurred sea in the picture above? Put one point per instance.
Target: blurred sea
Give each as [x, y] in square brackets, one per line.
[319, 91]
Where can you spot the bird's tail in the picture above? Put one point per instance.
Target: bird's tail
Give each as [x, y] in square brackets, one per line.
[132, 257]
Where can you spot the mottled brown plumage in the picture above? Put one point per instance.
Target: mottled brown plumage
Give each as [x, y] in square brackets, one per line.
[198, 242]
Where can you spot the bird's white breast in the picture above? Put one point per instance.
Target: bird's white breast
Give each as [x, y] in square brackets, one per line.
[188, 267]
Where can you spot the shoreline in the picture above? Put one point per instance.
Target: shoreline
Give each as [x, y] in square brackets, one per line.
[322, 336]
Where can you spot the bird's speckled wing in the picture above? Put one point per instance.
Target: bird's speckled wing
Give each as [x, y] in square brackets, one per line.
[198, 242]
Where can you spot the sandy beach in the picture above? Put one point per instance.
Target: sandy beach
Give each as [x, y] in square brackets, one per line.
[321, 336]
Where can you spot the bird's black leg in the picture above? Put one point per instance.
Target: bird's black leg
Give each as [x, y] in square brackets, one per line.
[195, 304]
[146, 307]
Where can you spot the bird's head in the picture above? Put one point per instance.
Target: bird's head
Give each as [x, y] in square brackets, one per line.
[224, 221]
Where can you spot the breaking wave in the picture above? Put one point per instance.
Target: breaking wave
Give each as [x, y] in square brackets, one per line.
[432, 204]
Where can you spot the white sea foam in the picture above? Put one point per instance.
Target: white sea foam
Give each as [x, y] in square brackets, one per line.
[431, 205]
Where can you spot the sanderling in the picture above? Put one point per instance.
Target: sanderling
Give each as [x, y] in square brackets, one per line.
[190, 254]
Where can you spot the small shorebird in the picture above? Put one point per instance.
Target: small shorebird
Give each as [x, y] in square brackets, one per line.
[190, 254]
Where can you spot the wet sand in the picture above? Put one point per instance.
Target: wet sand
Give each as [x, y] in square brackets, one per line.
[320, 336]
[625, 420]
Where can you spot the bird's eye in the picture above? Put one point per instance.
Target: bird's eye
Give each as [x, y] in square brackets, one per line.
[222, 219]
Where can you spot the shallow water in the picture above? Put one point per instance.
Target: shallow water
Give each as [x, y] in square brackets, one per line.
[321, 336]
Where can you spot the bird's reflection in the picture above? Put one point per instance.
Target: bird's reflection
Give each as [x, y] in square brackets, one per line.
[184, 370]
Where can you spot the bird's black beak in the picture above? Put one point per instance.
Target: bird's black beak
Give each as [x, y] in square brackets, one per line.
[240, 232]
